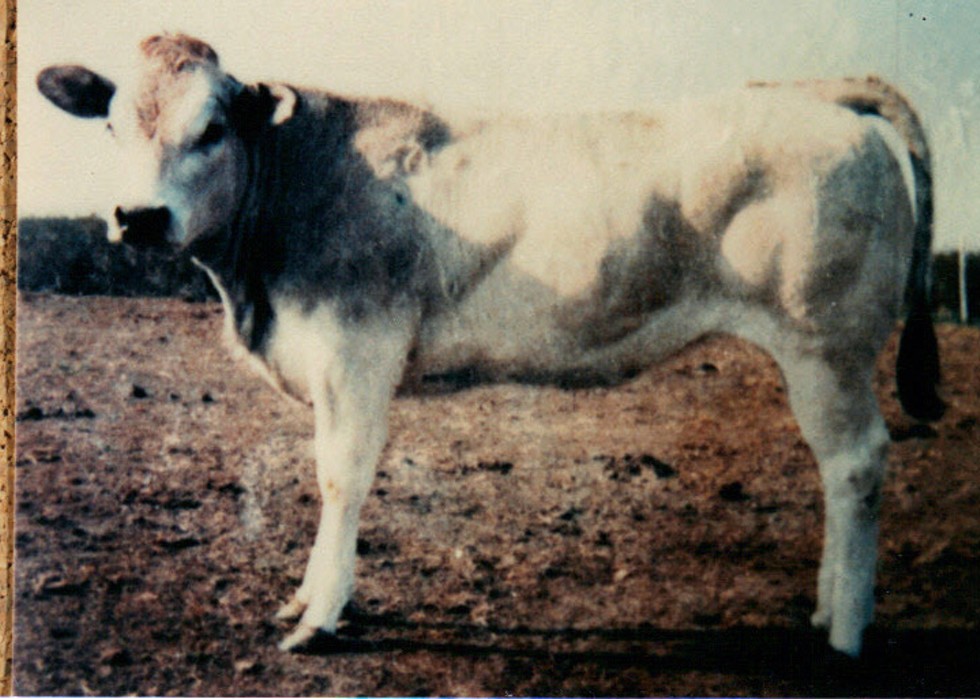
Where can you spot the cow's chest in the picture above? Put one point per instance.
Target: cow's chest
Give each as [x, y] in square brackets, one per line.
[290, 344]
[281, 368]
[304, 351]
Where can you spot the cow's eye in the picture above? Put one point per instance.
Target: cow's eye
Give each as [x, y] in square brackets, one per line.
[212, 135]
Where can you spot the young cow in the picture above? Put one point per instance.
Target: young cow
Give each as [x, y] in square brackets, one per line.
[363, 245]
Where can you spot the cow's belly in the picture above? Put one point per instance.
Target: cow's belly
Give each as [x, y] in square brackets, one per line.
[521, 333]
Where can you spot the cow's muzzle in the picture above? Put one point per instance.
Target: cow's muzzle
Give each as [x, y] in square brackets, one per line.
[144, 228]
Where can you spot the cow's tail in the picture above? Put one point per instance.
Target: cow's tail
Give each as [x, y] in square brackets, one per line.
[917, 370]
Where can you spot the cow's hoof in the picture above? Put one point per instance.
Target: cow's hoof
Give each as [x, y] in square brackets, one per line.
[846, 639]
[300, 636]
[820, 619]
[292, 609]
[848, 647]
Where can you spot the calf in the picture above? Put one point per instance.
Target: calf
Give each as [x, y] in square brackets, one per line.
[362, 245]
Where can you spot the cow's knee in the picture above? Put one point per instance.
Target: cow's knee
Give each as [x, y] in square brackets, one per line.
[853, 476]
[853, 481]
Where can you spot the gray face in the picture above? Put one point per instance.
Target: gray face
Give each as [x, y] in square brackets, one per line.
[180, 133]
[188, 164]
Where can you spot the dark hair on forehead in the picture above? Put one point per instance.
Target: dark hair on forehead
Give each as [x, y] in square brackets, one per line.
[178, 52]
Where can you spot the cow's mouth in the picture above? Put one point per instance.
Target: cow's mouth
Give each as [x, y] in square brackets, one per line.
[144, 228]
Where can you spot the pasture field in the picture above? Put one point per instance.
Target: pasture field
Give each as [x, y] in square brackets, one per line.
[658, 538]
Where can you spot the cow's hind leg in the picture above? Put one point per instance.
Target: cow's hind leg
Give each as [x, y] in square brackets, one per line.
[839, 417]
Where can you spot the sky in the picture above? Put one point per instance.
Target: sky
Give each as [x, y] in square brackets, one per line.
[514, 55]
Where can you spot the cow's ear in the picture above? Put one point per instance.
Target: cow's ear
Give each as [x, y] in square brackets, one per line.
[257, 107]
[285, 104]
[76, 90]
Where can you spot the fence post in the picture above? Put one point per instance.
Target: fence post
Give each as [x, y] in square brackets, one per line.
[964, 302]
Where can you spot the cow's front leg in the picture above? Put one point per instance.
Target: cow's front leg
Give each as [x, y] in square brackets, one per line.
[350, 402]
[345, 460]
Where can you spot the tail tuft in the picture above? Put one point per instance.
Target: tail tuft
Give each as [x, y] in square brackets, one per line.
[917, 369]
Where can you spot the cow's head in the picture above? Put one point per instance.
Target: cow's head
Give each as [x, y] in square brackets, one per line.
[186, 128]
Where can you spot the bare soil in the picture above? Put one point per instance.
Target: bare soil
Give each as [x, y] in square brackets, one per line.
[658, 538]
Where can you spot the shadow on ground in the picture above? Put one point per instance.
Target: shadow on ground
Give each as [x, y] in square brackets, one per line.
[936, 662]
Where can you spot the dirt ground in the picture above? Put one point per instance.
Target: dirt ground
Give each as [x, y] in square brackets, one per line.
[658, 538]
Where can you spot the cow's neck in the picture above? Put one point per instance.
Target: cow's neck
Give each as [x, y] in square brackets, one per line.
[248, 259]
[242, 263]
[309, 227]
